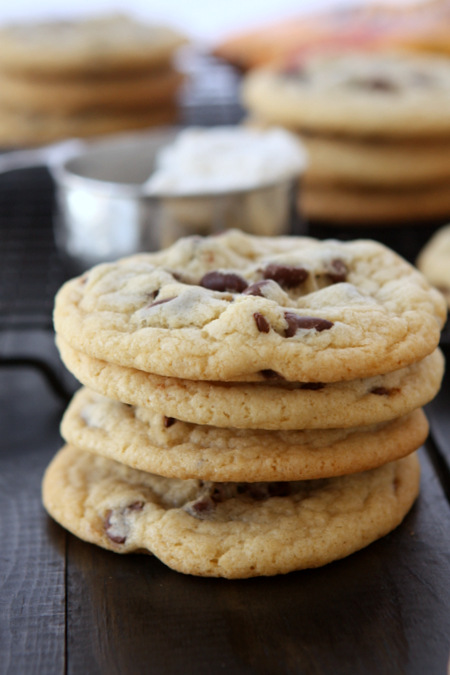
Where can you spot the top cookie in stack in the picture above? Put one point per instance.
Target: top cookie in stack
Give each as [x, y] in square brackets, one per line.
[235, 307]
[376, 125]
[85, 77]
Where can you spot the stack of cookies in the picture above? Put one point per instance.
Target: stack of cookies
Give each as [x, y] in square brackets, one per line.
[252, 405]
[82, 78]
[377, 128]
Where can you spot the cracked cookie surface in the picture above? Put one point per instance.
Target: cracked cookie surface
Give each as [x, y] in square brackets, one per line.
[226, 530]
[235, 306]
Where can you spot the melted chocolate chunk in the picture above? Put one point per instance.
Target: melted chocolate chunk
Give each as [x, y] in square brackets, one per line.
[337, 271]
[295, 322]
[261, 322]
[223, 281]
[380, 391]
[117, 532]
[256, 288]
[289, 277]
[169, 421]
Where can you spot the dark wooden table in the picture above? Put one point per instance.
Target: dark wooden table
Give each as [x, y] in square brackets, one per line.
[69, 607]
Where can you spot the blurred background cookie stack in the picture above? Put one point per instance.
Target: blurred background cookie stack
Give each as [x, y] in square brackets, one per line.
[253, 404]
[377, 128]
[82, 78]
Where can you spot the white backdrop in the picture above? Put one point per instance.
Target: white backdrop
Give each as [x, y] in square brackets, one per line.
[203, 20]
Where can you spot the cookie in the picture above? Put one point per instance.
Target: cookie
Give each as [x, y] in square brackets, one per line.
[271, 405]
[381, 94]
[361, 205]
[232, 306]
[226, 529]
[112, 93]
[434, 261]
[20, 128]
[90, 46]
[351, 161]
[150, 441]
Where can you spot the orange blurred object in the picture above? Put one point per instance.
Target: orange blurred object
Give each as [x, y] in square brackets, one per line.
[423, 27]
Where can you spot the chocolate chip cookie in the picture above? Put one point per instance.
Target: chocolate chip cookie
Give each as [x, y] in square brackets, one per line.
[272, 404]
[232, 530]
[434, 261]
[365, 93]
[150, 441]
[234, 306]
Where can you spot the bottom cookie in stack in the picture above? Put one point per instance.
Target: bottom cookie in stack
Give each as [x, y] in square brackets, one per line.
[232, 530]
[231, 503]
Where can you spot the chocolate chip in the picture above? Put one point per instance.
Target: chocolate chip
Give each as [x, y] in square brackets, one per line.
[161, 302]
[168, 421]
[256, 288]
[376, 83]
[337, 271]
[224, 281]
[261, 322]
[289, 277]
[116, 538]
[135, 506]
[382, 391]
[295, 322]
[219, 493]
[118, 530]
[313, 386]
[271, 374]
[201, 508]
